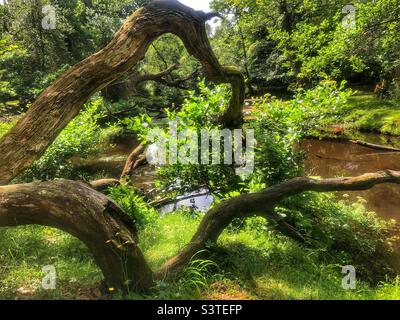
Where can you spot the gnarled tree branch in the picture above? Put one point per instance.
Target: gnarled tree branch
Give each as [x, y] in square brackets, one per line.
[62, 101]
[131, 83]
[134, 160]
[111, 235]
[76, 208]
[263, 204]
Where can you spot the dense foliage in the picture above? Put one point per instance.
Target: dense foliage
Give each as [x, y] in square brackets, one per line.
[80, 137]
[303, 60]
[296, 43]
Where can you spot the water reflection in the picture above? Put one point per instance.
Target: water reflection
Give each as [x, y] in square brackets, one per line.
[327, 159]
[330, 158]
[199, 200]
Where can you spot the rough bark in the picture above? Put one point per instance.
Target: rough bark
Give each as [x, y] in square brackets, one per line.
[76, 208]
[111, 235]
[62, 101]
[136, 157]
[263, 204]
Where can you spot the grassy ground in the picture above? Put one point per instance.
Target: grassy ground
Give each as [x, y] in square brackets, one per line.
[25, 250]
[366, 112]
[247, 264]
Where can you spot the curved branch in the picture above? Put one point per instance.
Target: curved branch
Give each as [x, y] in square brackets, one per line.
[62, 101]
[135, 159]
[111, 235]
[263, 204]
[132, 82]
[76, 208]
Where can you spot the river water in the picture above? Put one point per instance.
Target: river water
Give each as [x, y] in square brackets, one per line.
[326, 159]
[331, 158]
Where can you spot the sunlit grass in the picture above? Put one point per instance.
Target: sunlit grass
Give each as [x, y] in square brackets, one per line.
[167, 237]
[368, 113]
[252, 264]
[25, 250]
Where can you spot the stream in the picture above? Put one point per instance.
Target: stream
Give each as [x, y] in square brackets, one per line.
[326, 159]
[330, 158]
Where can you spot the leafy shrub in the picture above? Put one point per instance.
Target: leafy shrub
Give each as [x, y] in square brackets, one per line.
[78, 138]
[199, 111]
[281, 125]
[11, 55]
[134, 108]
[134, 205]
[343, 233]
[338, 232]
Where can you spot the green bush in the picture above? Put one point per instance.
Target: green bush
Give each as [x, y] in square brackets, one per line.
[134, 205]
[199, 111]
[343, 233]
[79, 138]
[339, 233]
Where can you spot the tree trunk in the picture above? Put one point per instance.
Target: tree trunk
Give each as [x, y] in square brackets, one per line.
[76, 208]
[62, 101]
[104, 184]
[111, 235]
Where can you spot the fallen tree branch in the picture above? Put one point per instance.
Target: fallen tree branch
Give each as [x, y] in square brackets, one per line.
[76, 208]
[111, 235]
[263, 204]
[374, 146]
[129, 86]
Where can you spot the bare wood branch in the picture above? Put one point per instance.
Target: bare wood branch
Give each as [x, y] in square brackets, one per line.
[132, 82]
[263, 204]
[111, 235]
[104, 184]
[133, 161]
